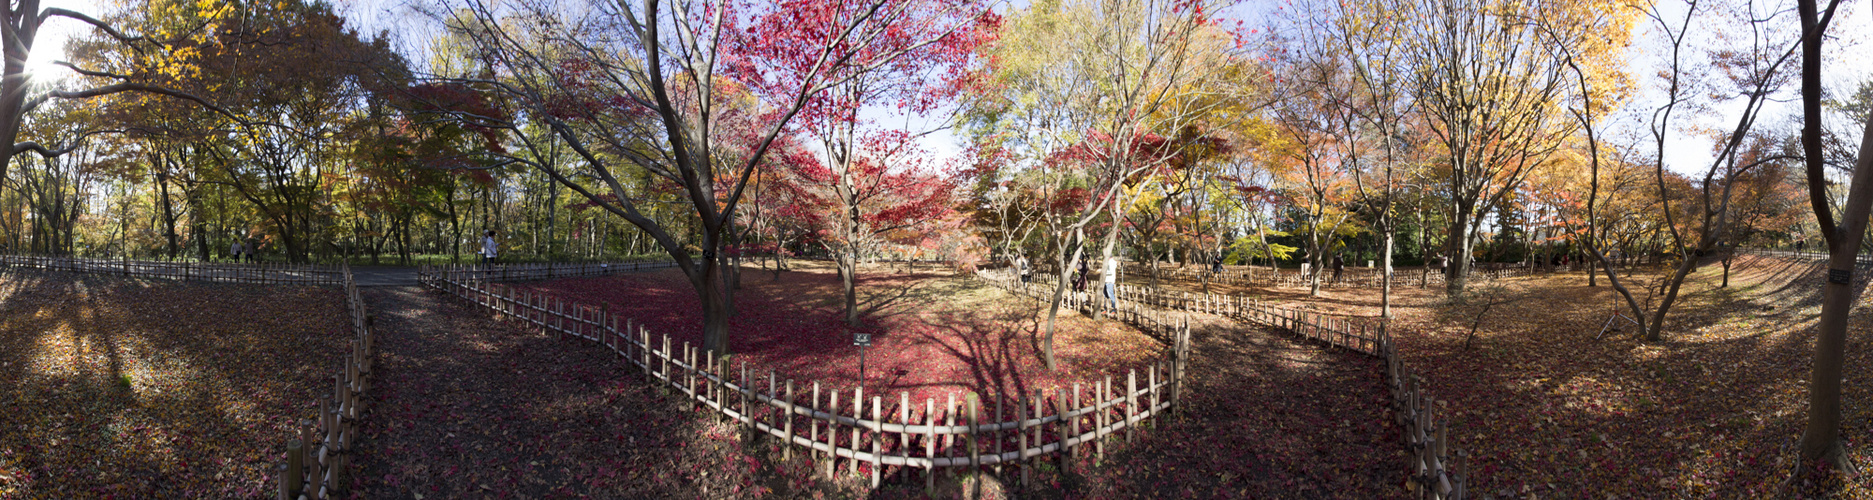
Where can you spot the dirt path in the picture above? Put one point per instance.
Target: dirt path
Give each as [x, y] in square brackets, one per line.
[1266, 417]
[466, 407]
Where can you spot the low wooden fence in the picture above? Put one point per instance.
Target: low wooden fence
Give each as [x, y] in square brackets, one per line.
[316, 462]
[833, 425]
[1864, 259]
[1437, 470]
[270, 274]
[1362, 277]
[525, 272]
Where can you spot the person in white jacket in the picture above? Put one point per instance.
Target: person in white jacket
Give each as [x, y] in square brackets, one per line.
[1111, 276]
[488, 248]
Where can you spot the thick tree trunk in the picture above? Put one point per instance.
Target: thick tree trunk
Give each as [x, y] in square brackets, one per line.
[455, 228]
[1821, 439]
[1313, 263]
[1457, 274]
[714, 310]
[848, 270]
[1060, 288]
[1657, 328]
[1385, 279]
[169, 216]
[1424, 248]
[198, 225]
[1726, 270]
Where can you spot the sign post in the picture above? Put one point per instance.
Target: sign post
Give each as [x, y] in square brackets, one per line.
[862, 340]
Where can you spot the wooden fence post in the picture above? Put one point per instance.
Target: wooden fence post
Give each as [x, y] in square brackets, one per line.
[877, 441]
[1131, 401]
[975, 452]
[787, 443]
[1065, 426]
[292, 479]
[903, 436]
[858, 415]
[813, 423]
[832, 433]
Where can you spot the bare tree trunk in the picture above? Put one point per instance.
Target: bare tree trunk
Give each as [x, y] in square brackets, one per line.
[848, 268]
[1821, 439]
[1385, 279]
[1060, 288]
[1726, 269]
[1457, 273]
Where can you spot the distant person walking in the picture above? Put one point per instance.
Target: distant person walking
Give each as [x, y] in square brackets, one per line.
[1021, 266]
[1339, 265]
[235, 251]
[1111, 276]
[248, 250]
[488, 248]
[1079, 277]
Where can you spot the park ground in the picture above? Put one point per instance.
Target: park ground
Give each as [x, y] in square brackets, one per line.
[1550, 408]
[122, 388]
[1266, 418]
[127, 388]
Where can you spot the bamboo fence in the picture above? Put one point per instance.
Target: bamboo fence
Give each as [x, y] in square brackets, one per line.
[844, 428]
[1362, 277]
[1863, 259]
[316, 461]
[270, 274]
[1437, 471]
[525, 272]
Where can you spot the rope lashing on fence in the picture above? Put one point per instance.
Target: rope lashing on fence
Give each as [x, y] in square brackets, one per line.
[897, 437]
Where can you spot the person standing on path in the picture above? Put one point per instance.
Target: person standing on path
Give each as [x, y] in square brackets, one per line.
[1079, 278]
[1111, 276]
[488, 248]
[235, 251]
[1021, 266]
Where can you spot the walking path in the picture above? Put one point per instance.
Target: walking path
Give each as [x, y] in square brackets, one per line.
[384, 275]
[467, 407]
[1266, 416]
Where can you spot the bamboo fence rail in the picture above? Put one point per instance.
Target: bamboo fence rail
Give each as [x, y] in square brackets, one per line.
[1363, 277]
[525, 272]
[1863, 259]
[841, 424]
[1437, 471]
[316, 462]
[270, 274]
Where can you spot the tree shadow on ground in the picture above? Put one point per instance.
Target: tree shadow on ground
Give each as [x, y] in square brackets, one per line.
[154, 388]
[1548, 411]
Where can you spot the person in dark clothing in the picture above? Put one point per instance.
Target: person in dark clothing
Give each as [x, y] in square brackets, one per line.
[1216, 264]
[1338, 266]
[1079, 277]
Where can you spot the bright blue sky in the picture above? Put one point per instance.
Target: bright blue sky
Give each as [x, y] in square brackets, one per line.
[1850, 58]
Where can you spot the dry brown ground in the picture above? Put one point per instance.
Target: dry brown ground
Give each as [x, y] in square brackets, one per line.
[1268, 417]
[1549, 411]
[123, 388]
